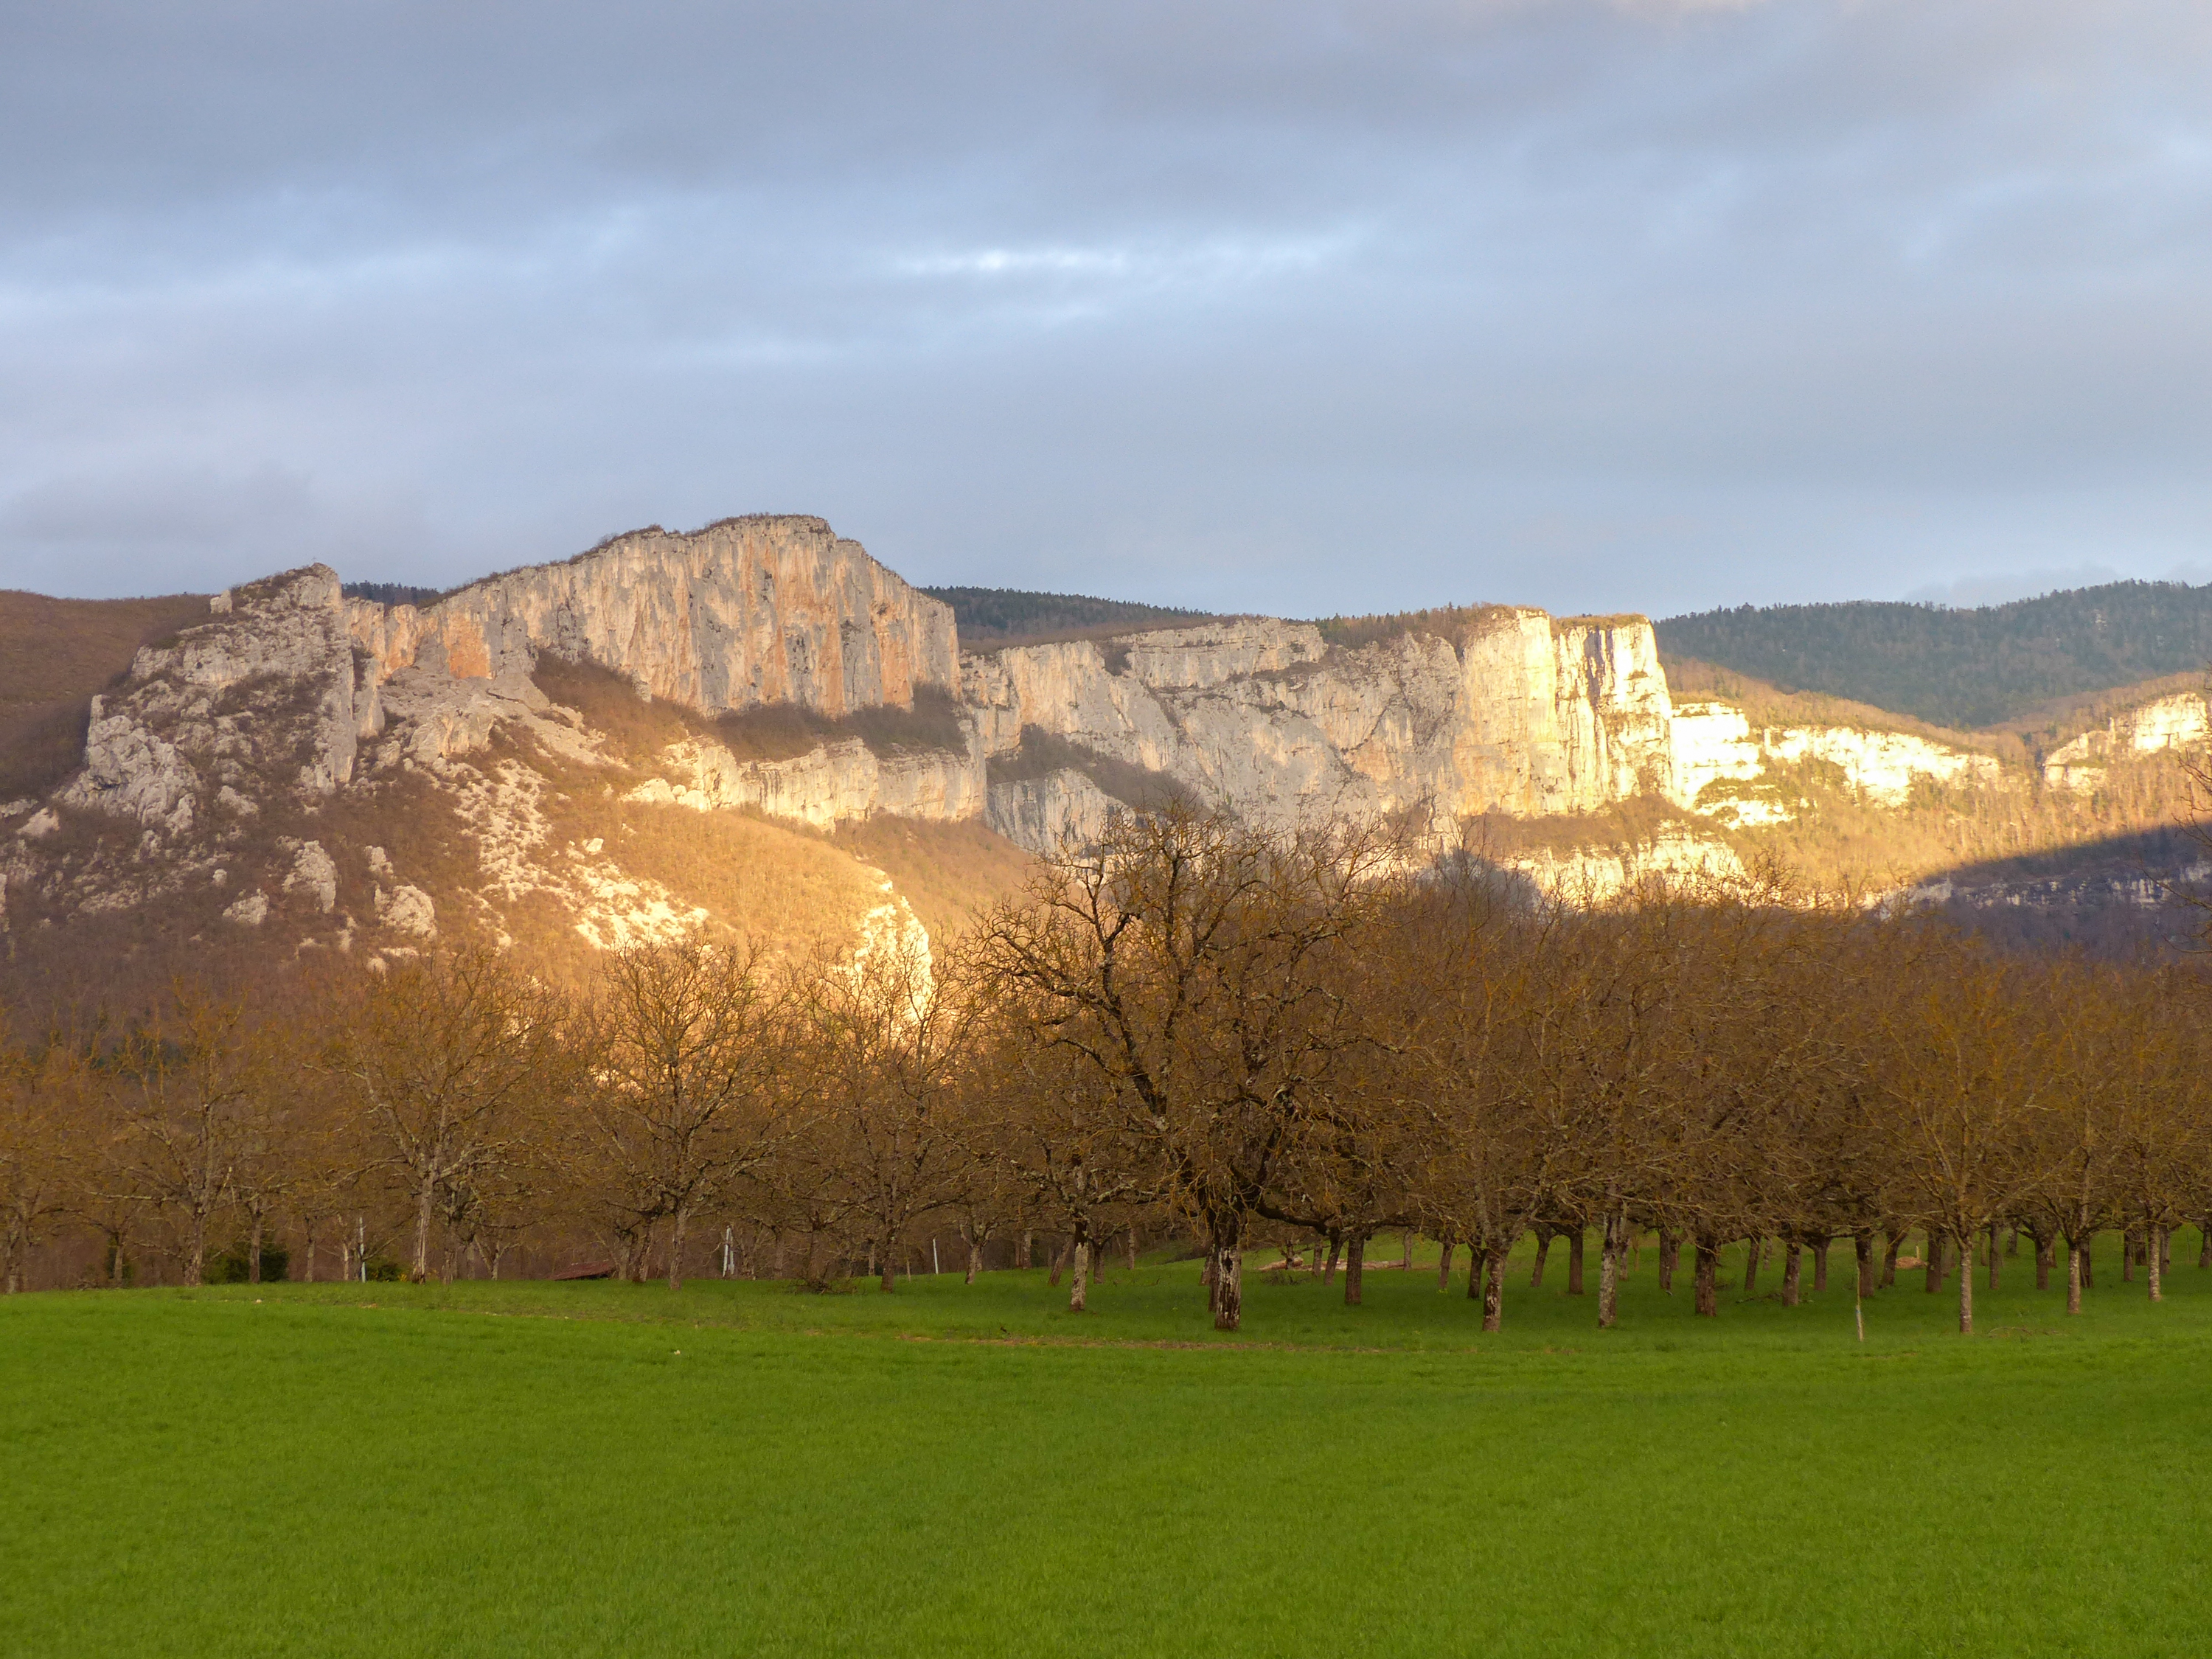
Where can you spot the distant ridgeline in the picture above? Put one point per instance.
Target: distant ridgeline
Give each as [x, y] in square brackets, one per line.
[992, 615]
[1960, 668]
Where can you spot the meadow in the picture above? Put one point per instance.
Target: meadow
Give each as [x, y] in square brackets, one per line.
[741, 1468]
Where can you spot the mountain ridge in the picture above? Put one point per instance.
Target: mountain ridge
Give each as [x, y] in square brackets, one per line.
[760, 730]
[1967, 669]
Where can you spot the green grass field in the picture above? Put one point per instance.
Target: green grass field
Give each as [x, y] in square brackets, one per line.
[541, 1469]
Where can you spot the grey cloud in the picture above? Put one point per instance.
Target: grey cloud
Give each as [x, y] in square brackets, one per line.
[1295, 306]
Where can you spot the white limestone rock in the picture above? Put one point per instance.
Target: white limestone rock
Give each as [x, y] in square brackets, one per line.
[1063, 811]
[314, 870]
[831, 784]
[265, 689]
[2178, 721]
[250, 911]
[1525, 714]
[762, 609]
[433, 718]
[408, 910]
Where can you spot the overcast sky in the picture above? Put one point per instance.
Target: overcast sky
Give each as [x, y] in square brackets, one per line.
[1283, 307]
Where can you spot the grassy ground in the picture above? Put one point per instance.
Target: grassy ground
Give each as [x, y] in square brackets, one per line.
[600, 1469]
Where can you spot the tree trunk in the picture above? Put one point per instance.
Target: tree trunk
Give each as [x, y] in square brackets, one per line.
[1889, 1259]
[1543, 1250]
[1793, 1273]
[2074, 1277]
[1025, 1253]
[1406, 1262]
[1966, 1281]
[253, 1256]
[1934, 1273]
[2204, 1242]
[1493, 1290]
[682, 1221]
[1443, 1264]
[1078, 1295]
[1992, 1249]
[2089, 1261]
[422, 1230]
[1474, 1262]
[1707, 1273]
[1336, 1242]
[1863, 1258]
[196, 1255]
[2012, 1240]
[2045, 1248]
[1821, 1265]
[1133, 1246]
[1612, 1246]
[1670, 1257]
[2164, 1249]
[888, 1259]
[2127, 1258]
[2156, 1251]
[1575, 1262]
[974, 1257]
[1060, 1263]
[308, 1226]
[1751, 1253]
[1226, 1259]
[1355, 1263]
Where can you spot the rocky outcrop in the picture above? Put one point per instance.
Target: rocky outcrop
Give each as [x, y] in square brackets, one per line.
[1730, 771]
[266, 692]
[1600, 871]
[433, 719]
[1524, 714]
[2178, 721]
[751, 610]
[1062, 809]
[832, 784]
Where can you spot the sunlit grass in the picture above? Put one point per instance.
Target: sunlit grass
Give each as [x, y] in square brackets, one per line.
[743, 1469]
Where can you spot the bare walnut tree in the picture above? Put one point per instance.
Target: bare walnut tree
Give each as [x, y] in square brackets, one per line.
[687, 1057]
[1194, 963]
[446, 1056]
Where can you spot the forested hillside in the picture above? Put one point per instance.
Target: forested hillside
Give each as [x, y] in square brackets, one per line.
[1960, 668]
[992, 616]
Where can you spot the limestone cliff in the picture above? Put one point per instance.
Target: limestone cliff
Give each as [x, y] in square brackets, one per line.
[2178, 721]
[1726, 769]
[251, 760]
[1525, 715]
[751, 610]
[833, 784]
[265, 690]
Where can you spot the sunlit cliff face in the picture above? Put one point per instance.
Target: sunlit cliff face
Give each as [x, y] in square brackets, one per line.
[751, 610]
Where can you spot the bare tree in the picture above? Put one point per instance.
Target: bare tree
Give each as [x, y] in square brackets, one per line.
[1188, 959]
[686, 1061]
[190, 1079]
[43, 1134]
[445, 1054]
[883, 1044]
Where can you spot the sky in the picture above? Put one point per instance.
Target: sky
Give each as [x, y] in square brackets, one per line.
[1282, 306]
